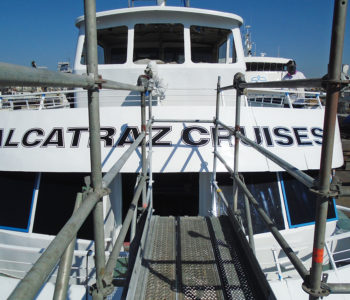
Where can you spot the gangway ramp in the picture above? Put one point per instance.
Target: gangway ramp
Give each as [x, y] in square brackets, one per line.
[196, 258]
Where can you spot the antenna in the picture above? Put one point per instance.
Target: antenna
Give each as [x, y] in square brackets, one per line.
[247, 41]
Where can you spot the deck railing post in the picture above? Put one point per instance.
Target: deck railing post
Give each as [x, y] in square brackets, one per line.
[216, 139]
[95, 143]
[62, 281]
[334, 70]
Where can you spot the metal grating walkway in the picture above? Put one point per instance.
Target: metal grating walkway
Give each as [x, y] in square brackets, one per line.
[193, 258]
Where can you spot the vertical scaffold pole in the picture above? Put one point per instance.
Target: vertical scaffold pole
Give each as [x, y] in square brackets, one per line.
[216, 139]
[150, 151]
[95, 144]
[143, 145]
[334, 69]
[236, 155]
[62, 281]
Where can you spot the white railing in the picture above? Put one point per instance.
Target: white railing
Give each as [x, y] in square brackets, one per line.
[74, 98]
[338, 250]
[283, 98]
[336, 255]
[35, 101]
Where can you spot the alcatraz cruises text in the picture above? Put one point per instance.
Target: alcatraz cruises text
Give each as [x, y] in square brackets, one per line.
[75, 137]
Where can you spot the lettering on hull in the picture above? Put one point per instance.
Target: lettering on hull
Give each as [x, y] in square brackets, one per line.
[192, 136]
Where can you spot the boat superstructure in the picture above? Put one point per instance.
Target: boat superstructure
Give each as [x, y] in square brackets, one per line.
[184, 67]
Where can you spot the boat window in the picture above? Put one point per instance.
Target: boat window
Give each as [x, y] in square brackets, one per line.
[163, 43]
[260, 66]
[112, 46]
[248, 66]
[264, 187]
[300, 202]
[280, 67]
[265, 66]
[253, 66]
[212, 45]
[16, 200]
[56, 199]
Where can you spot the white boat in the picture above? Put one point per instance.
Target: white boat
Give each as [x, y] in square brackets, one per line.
[186, 49]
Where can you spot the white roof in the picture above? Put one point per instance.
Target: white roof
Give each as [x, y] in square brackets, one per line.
[266, 59]
[180, 12]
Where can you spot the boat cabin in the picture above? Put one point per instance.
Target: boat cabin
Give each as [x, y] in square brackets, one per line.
[263, 68]
[190, 46]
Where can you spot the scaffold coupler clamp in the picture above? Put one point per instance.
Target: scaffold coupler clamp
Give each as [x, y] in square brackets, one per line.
[322, 291]
[237, 80]
[338, 85]
[106, 290]
[99, 81]
[333, 192]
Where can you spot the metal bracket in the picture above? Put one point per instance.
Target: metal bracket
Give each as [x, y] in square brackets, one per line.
[323, 291]
[336, 84]
[106, 290]
[99, 81]
[143, 80]
[237, 79]
[96, 82]
[332, 193]
[106, 191]
[324, 280]
[87, 188]
[335, 189]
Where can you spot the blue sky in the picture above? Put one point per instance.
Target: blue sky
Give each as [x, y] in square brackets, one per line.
[44, 30]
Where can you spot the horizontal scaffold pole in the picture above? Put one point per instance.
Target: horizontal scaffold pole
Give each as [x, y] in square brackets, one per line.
[289, 84]
[114, 85]
[30, 285]
[339, 288]
[296, 173]
[182, 121]
[15, 75]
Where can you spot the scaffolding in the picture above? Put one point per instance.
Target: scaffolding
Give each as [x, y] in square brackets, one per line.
[59, 250]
